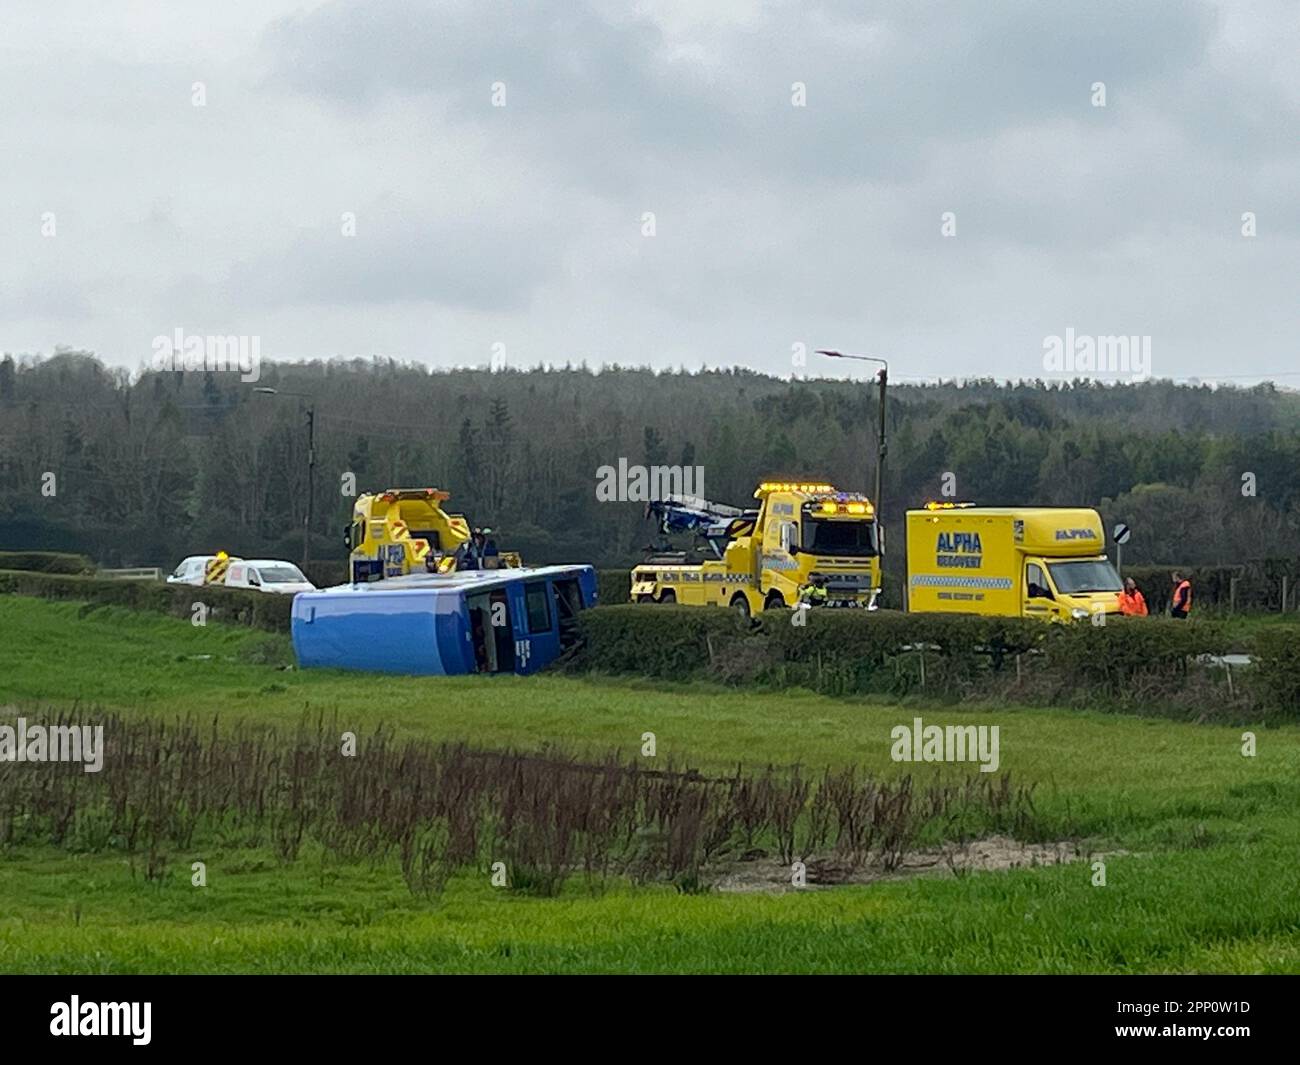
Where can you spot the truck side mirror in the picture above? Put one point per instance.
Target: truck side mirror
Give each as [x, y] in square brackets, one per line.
[347, 537]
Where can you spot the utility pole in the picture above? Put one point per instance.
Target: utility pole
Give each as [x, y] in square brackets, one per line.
[311, 462]
[881, 443]
[311, 469]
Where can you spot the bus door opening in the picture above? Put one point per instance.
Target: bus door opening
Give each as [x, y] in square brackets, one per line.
[491, 632]
[568, 601]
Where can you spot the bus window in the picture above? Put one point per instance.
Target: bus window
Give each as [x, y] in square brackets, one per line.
[537, 605]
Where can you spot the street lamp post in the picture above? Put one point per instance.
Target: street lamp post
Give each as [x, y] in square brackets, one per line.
[881, 445]
[311, 462]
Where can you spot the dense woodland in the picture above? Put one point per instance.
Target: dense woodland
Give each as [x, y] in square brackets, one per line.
[151, 466]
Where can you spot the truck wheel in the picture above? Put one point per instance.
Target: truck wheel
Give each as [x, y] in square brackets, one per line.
[668, 597]
[740, 604]
[775, 601]
[645, 598]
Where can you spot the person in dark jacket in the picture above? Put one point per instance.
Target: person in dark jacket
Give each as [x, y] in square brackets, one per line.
[488, 551]
[467, 555]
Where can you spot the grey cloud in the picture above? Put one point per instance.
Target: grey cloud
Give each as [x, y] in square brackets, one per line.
[775, 224]
[477, 264]
[884, 80]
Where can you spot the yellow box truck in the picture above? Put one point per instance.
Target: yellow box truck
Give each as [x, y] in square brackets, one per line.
[1034, 562]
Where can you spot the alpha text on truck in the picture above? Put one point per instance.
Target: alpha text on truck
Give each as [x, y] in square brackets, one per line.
[764, 557]
[1036, 562]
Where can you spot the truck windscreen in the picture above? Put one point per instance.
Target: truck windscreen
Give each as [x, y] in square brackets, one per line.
[830, 537]
[1093, 575]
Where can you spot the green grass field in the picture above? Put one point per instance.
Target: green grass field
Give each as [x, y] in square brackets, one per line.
[1207, 884]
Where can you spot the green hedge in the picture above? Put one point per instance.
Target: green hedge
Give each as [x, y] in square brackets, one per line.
[613, 586]
[46, 562]
[237, 606]
[679, 642]
[1277, 657]
[654, 641]
[1132, 663]
[1122, 653]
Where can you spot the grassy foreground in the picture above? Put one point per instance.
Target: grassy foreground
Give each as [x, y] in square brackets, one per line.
[1207, 885]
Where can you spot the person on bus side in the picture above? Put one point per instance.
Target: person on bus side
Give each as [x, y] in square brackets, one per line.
[467, 554]
[1131, 600]
[476, 547]
[488, 550]
[1182, 601]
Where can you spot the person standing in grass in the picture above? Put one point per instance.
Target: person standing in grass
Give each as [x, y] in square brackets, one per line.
[1132, 603]
[1181, 606]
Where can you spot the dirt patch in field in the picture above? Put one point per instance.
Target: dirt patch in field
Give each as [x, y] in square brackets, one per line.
[763, 873]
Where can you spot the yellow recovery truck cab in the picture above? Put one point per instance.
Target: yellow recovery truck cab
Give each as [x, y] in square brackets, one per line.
[765, 557]
[405, 530]
[1036, 562]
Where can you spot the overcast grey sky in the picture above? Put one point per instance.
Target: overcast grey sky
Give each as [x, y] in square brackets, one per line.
[774, 224]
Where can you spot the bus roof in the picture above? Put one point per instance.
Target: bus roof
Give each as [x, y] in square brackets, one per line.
[473, 580]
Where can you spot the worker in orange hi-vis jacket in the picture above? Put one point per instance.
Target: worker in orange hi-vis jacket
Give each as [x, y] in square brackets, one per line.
[1131, 600]
[1182, 601]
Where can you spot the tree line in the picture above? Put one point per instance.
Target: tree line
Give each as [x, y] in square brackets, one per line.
[143, 468]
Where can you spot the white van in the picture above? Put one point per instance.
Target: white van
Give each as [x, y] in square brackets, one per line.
[193, 570]
[268, 575]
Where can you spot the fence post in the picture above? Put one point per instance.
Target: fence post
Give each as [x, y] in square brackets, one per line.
[1232, 595]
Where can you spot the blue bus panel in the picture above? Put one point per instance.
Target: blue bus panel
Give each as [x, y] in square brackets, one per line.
[472, 621]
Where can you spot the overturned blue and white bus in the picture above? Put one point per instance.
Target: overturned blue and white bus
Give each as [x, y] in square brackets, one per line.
[443, 624]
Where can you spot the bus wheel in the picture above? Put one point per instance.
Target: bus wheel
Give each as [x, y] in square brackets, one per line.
[668, 596]
[645, 598]
[774, 601]
[740, 604]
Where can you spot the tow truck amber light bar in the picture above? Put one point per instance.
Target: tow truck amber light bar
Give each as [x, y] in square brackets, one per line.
[415, 493]
[946, 506]
[858, 508]
[795, 486]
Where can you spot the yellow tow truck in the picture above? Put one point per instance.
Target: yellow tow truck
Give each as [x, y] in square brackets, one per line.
[763, 558]
[406, 530]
